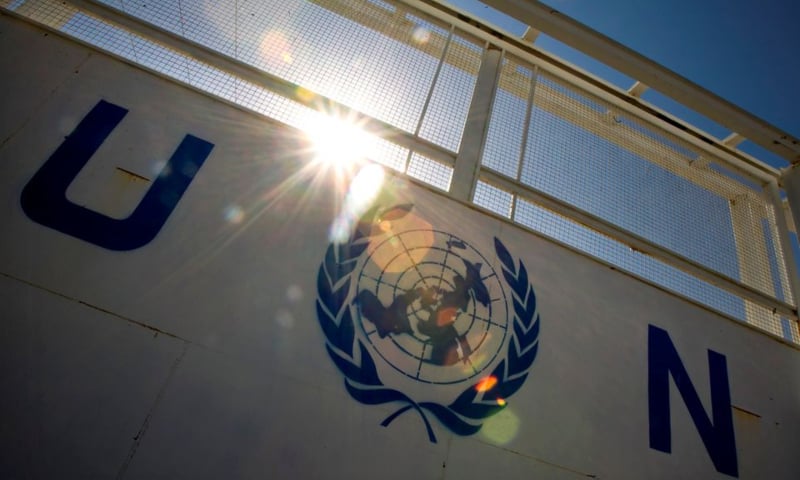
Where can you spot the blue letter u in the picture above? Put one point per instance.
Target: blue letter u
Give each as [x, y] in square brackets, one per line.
[44, 198]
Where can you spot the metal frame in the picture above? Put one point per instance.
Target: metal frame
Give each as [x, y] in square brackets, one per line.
[791, 184]
[634, 65]
[476, 129]
[380, 18]
[584, 80]
[703, 142]
[791, 278]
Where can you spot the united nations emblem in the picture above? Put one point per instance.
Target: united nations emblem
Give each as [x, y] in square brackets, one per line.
[433, 309]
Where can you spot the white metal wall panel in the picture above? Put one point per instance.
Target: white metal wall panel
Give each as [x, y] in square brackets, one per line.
[200, 355]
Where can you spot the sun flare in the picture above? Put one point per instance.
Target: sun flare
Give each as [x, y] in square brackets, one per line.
[337, 140]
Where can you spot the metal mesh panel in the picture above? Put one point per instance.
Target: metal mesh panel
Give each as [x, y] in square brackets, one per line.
[164, 14]
[562, 229]
[493, 199]
[48, 13]
[183, 68]
[389, 154]
[510, 117]
[576, 148]
[205, 77]
[443, 122]
[349, 56]
[430, 171]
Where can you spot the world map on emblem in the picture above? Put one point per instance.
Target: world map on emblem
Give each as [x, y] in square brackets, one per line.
[431, 306]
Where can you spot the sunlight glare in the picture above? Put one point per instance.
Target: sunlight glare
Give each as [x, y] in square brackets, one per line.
[363, 190]
[337, 141]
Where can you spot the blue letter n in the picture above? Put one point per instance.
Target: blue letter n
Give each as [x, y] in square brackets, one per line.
[717, 435]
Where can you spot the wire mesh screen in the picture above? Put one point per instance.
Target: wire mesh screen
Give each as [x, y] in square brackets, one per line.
[545, 135]
[559, 140]
[540, 219]
[403, 77]
[446, 111]
[369, 56]
[430, 171]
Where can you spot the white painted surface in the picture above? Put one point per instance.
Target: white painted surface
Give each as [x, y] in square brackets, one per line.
[240, 385]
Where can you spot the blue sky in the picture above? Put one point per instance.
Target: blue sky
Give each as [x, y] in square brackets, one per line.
[742, 50]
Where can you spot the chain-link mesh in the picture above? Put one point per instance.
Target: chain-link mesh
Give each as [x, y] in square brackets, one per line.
[417, 73]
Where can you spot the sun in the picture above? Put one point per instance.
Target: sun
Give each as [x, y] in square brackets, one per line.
[337, 140]
[343, 153]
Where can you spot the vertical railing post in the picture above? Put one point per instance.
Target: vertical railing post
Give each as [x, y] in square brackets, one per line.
[476, 128]
[747, 214]
[790, 179]
[790, 281]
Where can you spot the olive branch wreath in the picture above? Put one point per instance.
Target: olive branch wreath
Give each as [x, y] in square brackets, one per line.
[335, 309]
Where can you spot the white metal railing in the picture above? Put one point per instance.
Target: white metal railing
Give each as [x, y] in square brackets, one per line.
[462, 80]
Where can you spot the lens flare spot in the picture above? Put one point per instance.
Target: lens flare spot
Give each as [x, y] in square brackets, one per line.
[160, 168]
[501, 428]
[275, 48]
[395, 256]
[340, 230]
[294, 293]
[234, 214]
[284, 319]
[486, 384]
[363, 190]
[447, 316]
[421, 35]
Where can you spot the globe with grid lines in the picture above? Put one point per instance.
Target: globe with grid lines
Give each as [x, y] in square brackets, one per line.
[431, 306]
